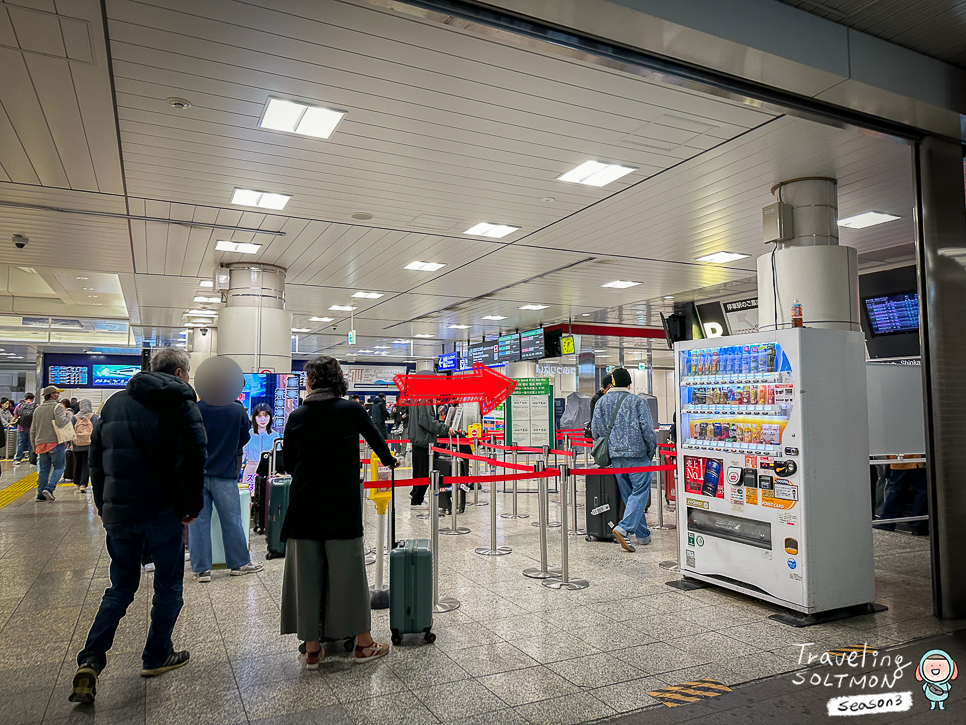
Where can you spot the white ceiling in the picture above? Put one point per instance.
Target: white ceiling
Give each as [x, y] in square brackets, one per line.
[443, 130]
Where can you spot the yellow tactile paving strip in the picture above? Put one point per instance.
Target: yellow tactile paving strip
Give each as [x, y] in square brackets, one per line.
[689, 692]
[17, 489]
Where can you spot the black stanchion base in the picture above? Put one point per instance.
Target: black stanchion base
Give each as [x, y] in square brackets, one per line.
[799, 620]
[379, 598]
[687, 585]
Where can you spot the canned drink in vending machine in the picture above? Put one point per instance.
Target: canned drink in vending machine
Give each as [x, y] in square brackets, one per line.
[717, 431]
[712, 477]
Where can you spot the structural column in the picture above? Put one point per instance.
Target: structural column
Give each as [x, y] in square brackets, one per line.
[254, 329]
[941, 249]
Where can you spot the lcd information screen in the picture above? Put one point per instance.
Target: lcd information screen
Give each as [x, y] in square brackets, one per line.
[508, 348]
[448, 362]
[483, 353]
[114, 376]
[67, 375]
[893, 314]
[532, 345]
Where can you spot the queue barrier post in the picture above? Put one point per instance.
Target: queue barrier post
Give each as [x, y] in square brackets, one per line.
[576, 530]
[515, 511]
[494, 550]
[673, 565]
[545, 522]
[440, 604]
[477, 487]
[544, 572]
[660, 500]
[564, 581]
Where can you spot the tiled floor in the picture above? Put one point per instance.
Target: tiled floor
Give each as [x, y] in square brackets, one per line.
[514, 652]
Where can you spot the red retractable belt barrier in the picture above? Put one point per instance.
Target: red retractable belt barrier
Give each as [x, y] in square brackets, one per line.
[505, 477]
[499, 447]
[634, 469]
[398, 484]
[491, 461]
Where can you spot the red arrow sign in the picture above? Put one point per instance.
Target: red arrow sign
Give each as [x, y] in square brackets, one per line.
[484, 386]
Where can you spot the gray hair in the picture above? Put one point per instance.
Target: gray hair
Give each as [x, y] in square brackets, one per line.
[169, 359]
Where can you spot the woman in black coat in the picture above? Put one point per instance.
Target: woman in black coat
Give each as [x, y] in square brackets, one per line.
[325, 568]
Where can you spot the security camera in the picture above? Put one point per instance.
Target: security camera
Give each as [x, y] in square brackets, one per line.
[335, 327]
[20, 241]
[204, 331]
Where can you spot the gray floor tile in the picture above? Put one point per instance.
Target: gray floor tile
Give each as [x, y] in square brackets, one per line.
[271, 668]
[629, 696]
[568, 710]
[287, 696]
[399, 709]
[598, 670]
[330, 715]
[491, 659]
[520, 687]
[424, 667]
[466, 697]
[365, 681]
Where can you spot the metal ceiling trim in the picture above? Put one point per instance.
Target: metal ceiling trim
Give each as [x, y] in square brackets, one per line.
[527, 32]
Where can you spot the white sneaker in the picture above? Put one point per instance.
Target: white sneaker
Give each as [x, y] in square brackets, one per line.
[187, 556]
[249, 568]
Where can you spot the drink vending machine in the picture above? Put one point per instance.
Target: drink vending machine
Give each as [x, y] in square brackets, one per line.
[773, 467]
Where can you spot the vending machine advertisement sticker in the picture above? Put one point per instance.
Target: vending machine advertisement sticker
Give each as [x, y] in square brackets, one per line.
[736, 495]
[789, 493]
[697, 503]
[689, 554]
[751, 461]
[766, 555]
[786, 518]
[751, 496]
[784, 394]
[690, 538]
[693, 474]
[792, 564]
[770, 500]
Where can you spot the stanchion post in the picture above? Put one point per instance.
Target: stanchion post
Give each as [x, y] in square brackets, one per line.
[515, 511]
[542, 503]
[494, 550]
[576, 531]
[454, 489]
[674, 565]
[565, 582]
[440, 604]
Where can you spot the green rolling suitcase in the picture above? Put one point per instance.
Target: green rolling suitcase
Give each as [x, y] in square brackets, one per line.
[411, 590]
[278, 489]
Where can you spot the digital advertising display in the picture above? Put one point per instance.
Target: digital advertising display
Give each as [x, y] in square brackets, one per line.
[73, 375]
[508, 348]
[114, 376]
[532, 345]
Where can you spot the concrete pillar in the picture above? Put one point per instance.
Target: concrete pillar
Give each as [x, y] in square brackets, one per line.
[424, 366]
[254, 329]
[203, 346]
[941, 249]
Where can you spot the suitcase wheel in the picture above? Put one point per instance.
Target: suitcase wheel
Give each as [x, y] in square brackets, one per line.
[430, 637]
[349, 644]
[271, 555]
[396, 637]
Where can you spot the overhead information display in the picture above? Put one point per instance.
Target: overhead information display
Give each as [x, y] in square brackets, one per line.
[67, 375]
[532, 344]
[448, 362]
[508, 348]
[891, 314]
[483, 353]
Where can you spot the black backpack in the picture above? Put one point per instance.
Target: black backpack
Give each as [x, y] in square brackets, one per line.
[26, 416]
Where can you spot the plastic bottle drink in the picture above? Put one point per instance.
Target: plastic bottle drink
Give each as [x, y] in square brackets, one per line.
[771, 358]
[771, 395]
[763, 359]
[753, 359]
[754, 395]
[762, 395]
[746, 359]
[797, 320]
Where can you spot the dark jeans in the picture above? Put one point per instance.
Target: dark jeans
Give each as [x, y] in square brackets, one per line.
[162, 538]
[906, 486]
[82, 474]
[420, 470]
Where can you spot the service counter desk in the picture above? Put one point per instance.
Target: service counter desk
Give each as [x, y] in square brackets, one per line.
[217, 547]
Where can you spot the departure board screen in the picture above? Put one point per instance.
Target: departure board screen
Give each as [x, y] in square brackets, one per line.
[67, 375]
[508, 348]
[532, 345]
[483, 353]
[893, 314]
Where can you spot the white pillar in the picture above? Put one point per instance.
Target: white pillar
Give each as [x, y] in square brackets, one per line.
[254, 329]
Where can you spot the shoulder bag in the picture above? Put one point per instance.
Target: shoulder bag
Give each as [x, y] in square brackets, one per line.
[601, 448]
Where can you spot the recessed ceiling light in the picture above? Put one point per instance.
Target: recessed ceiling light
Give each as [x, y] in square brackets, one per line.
[401, 342]
[202, 313]
[261, 199]
[369, 295]
[206, 283]
[422, 334]
[600, 350]
[301, 329]
[89, 289]
[459, 327]
[93, 297]
[81, 277]
[207, 299]
[424, 266]
[620, 284]
[193, 324]
[493, 317]
[179, 103]
[548, 200]
[382, 347]
[97, 304]
[595, 173]
[485, 229]
[721, 257]
[342, 308]
[300, 118]
[320, 319]
[239, 247]
[534, 307]
[868, 219]
[669, 297]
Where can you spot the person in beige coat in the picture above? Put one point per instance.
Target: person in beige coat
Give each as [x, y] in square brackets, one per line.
[51, 453]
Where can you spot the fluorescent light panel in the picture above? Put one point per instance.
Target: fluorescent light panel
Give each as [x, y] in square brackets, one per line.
[320, 319]
[868, 219]
[261, 199]
[459, 327]
[301, 329]
[342, 308]
[722, 257]
[620, 284]
[595, 173]
[485, 229]
[424, 266]
[369, 295]
[202, 313]
[207, 283]
[493, 317]
[207, 299]
[300, 118]
[422, 334]
[534, 307]
[239, 247]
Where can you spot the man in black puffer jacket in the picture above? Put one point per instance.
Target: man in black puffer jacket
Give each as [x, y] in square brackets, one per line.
[147, 464]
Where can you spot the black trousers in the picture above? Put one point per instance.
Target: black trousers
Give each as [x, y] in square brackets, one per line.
[420, 470]
[82, 474]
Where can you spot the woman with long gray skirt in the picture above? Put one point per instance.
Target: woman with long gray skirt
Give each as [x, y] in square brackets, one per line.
[325, 569]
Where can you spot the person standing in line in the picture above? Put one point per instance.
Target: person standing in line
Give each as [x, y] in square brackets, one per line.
[74, 406]
[380, 413]
[6, 413]
[227, 428]
[83, 428]
[626, 420]
[147, 464]
[51, 453]
[23, 416]
[325, 590]
[424, 429]
[606, 384]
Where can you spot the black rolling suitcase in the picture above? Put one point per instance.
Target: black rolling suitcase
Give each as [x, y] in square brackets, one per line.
[604, 506]
[69, 465]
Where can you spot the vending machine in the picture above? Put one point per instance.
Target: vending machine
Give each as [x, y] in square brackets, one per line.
[773, 463]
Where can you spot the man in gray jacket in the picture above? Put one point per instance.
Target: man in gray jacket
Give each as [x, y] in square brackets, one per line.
[632, 443]
[51, 453]
[424, 429]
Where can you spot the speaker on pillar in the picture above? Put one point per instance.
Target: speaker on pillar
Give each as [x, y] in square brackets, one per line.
[146, 358]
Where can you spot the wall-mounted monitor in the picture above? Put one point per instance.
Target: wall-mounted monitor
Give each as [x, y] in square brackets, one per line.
[483, 353]
[532, 345]
[72, 375]
[114, 376]
[448, 362]
[892, 314]
[508, 348]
